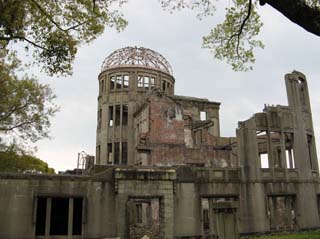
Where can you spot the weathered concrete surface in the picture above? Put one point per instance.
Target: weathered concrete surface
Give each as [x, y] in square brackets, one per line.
[154, 146]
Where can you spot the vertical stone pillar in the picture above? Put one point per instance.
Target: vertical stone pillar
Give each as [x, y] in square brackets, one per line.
[298, 99]
[252, 198]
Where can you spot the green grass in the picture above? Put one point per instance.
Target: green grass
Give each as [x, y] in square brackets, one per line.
[302, 235]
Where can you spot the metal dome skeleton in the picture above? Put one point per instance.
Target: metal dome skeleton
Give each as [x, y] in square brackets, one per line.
[136, 56]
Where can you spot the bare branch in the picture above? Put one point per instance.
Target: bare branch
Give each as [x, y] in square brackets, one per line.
[17, 126]
[238, 34]
[47, 15]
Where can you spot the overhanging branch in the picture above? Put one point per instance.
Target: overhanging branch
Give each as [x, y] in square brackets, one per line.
[238, 34]
[299, 12]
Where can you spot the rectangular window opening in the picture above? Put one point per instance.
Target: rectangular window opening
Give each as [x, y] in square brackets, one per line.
[203, 115]
[109, 153]
[59, 216]
[117, 118]
[309, 139]
[152, 82]
[41, 216]
[290, 158]
[99, 118]
[140, 81]
[112, 82]
[116, 152]
[264, 160]
[98, 154]
[124, 114]
[164, 85]
[110, 116]
[77, 216]
[146, 82]
[125, 81]
[205, 214]
[119, 82]
[139, 212]
[124, 156]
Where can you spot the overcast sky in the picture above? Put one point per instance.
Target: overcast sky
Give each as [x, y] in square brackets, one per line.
[178, 37]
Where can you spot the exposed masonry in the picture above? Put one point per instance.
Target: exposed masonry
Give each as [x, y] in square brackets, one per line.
[162, 170]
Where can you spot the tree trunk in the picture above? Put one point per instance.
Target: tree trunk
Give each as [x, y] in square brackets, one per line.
[298, 12]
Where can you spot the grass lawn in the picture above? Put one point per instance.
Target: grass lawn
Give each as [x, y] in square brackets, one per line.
[302, 235]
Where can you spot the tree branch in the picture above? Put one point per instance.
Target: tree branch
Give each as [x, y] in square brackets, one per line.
[238, 34]
[299, 12]
[24, 39]
[74, 27]
[47, 15]
[7, 115]
[16, 126]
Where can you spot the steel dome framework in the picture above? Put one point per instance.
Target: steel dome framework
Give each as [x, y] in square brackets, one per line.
[137, 56]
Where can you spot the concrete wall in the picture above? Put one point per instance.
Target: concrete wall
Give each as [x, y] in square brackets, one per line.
[179, 191]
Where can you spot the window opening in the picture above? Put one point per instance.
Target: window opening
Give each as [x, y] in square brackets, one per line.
[164, 86]
[116, 152]
[125, 81]
[98, 154]
[278, 162]
[77, 216]
[109, 153]
[144, 217]
[264, 160]
[103, 85]
[112, 82]
[59, 216]
[205, 214]
[124, 114]
[309, 139]
[152, 82]
[140, 81]
[99, 118]
[302, 95]
[119, 82]
[110, 116]
[290, 158]
[203, 115]
[118, 111]
[124, 156]
[139, 212]
[146, 82]
[41, 216]
[281, 212]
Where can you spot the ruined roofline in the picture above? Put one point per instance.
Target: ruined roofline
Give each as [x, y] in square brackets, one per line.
[137, 56]
[44, 176]
[271, 107]
[188, 98]
[127, 66]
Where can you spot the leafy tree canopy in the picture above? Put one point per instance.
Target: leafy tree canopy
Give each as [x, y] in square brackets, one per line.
[54, 29]
[25, 105]
[14, 160]
[235, 39]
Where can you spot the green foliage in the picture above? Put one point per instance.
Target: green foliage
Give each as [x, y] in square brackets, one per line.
[11, 161]
[54, 29]
[302, 235]
[25, 105]
[235, 39]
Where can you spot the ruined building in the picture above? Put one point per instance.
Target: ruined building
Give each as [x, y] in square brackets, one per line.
[163, 170]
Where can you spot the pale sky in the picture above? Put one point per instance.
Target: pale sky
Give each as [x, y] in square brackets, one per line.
[178, 38]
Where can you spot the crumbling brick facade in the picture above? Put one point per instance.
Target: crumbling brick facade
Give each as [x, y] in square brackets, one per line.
[162, 169]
